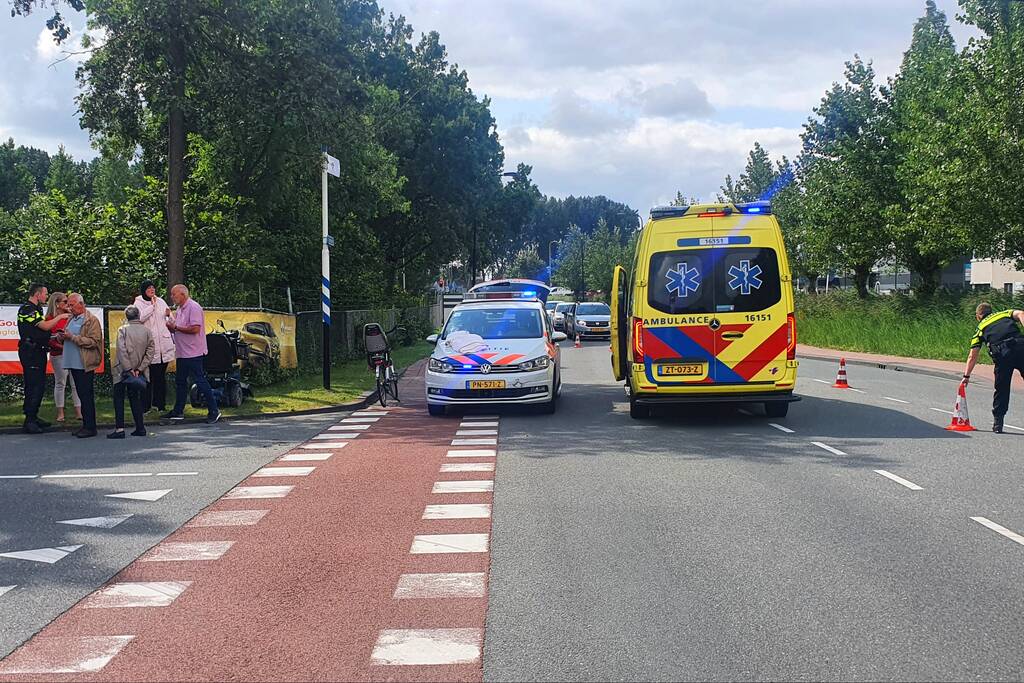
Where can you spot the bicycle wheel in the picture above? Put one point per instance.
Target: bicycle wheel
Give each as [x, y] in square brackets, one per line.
[382, 388]
[393, 382]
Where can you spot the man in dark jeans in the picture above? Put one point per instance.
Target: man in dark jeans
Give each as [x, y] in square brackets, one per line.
[188, 326]
[33, 344]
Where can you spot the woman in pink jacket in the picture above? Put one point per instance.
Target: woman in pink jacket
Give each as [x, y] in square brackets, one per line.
[153, 312]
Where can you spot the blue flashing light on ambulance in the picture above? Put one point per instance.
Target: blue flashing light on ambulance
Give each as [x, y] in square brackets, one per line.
[706, 315]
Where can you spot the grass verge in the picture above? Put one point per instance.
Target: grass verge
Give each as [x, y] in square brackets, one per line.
[302, 392]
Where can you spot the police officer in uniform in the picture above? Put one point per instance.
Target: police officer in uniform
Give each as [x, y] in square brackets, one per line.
[1002, 333]
[34, 333]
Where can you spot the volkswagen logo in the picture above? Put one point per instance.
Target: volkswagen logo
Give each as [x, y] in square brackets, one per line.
[485, 368]
[715, 323]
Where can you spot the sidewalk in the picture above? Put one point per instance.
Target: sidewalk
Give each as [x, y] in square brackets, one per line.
[983, 374]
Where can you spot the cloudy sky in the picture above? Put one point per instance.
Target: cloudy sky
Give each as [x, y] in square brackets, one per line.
[633, 99]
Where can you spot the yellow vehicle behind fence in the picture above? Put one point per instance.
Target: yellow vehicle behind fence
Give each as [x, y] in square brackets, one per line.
[706, 315]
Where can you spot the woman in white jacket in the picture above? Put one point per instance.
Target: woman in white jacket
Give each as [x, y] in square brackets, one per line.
[153, 312]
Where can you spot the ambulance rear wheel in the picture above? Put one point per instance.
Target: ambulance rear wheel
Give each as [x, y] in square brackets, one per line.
[637, 411]
[776, 409]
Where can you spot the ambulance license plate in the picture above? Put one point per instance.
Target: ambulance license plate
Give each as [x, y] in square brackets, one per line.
[682, 370]
[485, 384]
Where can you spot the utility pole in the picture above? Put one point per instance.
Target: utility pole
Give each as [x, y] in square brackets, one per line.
[551, 270]
[328, 165]
[472, 261]
[583, 274]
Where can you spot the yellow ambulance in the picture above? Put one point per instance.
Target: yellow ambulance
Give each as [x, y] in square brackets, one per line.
[706, 315]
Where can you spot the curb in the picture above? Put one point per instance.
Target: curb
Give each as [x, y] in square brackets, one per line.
[366, 398]
[896, 367]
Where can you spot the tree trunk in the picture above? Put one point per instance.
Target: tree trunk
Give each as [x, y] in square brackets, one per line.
[176, 150]
[812, 282]
[928, 271]
[861, 276]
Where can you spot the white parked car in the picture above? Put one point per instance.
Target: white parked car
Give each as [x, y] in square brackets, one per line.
[495, 351]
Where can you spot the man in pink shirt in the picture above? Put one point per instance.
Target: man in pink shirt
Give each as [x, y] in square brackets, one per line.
[188, 327]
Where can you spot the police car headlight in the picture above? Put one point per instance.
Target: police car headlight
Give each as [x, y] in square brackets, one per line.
[536, 364]
[435, 365]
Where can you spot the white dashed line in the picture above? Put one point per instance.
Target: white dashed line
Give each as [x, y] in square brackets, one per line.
[228, 518]
[821, 381]
[348, 428]
[463, 487]
[142, 594]
[474, 425]
[999, 529]
[321, 446]
[480, 417]
[451, 585]
[477, 453]
[426, 647]
[432, 544]
[284, 472]
[896, 400]
[360, 420]
[468, 467]
[899, 480]
[858, 391]
[477, 432]
[246, 492]
[44, 555]
[469, 511]
[19, 476]
[940, 410]
[825, 446]
[331, 437]
[784, 430]
[474, 442]
[1019, 429]
[64, 655]
[305, 457]
[370, 413]
[195, 551]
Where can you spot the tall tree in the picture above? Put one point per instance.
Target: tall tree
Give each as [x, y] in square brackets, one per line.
[756, 181]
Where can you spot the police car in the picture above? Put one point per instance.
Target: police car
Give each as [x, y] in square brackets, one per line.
[497, 347]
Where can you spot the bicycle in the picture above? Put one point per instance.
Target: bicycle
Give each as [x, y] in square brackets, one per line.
[378, 358]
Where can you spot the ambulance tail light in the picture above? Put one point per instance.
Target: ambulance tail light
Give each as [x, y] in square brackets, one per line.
[638, 340]
[790, 337]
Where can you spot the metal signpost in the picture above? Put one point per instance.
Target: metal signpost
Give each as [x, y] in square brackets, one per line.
[332, 166]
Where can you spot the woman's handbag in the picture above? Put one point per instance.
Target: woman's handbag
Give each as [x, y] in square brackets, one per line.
[133, 381]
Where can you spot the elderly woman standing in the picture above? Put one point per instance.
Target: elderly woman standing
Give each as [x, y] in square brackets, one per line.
[135, 351]
[153, 312]
[61, 376]
[83, 353]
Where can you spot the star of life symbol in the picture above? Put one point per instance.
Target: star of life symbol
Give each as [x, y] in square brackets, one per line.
[683, 280]
[745, 278]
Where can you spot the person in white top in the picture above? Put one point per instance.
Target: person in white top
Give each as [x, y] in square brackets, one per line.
[153, 312]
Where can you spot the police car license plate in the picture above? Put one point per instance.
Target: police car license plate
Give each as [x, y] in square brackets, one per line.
[485, 384]
[681, 370]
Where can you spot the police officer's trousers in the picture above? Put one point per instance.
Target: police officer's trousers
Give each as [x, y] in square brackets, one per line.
[33, 365]
[1011, 359]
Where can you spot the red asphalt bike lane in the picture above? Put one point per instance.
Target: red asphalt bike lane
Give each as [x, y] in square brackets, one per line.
[304, 593]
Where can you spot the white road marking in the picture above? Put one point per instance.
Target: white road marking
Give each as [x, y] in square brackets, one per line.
[348, 428]
[896, 400]
[451, 585]
[940, 410]
[193, 551]
[481, 417]
[425, 647]
[301, 457]
[321, 446]
[825, 446]
[1019, 429]
[473, 453]
[370, 413]
[98, 522]
[785, 430]
[228, 518]
[474, 442]
[351, 420]
[468, 511]
[141, 594]
[333, 437]
[463, 487]
[821, 381]
[477, 432]
[19, 476]
[149, 496]
[176, 474]
[899, 480]
[858, 391]
[430, 544]
[245, 492]
[468, 467]
[5, 589]
[475, 424]
[46, 555]
[999, 529]
[97, 475]
[64, 655]
[283, 471]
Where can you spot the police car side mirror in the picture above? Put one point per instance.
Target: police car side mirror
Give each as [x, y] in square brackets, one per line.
[559, 337]
[432, 339]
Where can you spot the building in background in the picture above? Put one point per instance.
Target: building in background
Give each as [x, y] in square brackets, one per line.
[992, 274]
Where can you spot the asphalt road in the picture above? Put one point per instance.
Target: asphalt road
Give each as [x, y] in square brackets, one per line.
[708, 544]
[217, 457]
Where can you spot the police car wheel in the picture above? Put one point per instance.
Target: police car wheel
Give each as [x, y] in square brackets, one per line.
[435, 410]
[776, 409]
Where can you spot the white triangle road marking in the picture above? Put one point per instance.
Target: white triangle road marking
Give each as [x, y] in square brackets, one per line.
[47, 555]
[5, 589]
[98, 522]
[150, 496]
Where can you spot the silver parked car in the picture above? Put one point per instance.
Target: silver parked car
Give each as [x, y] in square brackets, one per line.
[558, 317]
[589, 319]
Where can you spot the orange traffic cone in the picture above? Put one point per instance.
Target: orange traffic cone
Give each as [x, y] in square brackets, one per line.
[961, 421]
[841, 382]
[578, 344]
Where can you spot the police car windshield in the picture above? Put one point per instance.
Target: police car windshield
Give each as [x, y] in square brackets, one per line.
[496, 323]
[593, 309]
